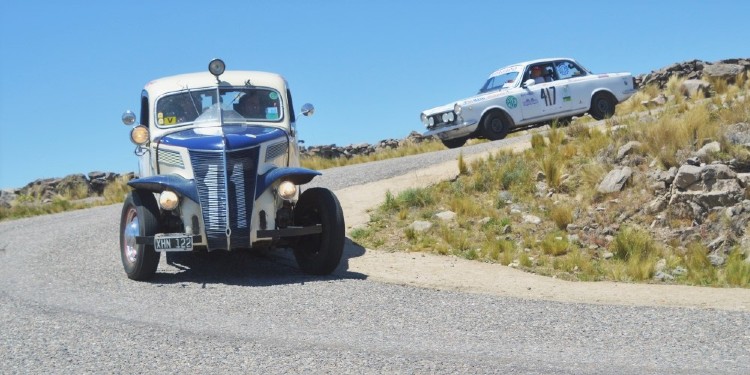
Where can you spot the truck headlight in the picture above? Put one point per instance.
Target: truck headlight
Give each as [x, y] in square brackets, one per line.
[287, 190]
[139, 135]
[168, 200]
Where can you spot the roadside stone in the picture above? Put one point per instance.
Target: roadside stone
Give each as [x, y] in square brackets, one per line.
[686, 176]
[531, 219]
[615, 180]
[708, 149]
[691, 87]
[627, 149]
[716, 260]
[421, 226]
[726, 72]
[446, 216]
[679, 271]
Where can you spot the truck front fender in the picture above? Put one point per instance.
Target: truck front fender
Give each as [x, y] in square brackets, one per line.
[296, 175]
[157, 184]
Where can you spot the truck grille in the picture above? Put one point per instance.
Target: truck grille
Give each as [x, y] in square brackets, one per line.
[226, 190]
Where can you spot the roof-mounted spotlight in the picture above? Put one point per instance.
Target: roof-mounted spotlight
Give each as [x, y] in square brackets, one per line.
[216, 67]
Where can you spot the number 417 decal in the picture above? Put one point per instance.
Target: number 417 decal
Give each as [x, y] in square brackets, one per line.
[549, 99]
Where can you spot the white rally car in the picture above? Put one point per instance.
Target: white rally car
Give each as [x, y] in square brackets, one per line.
[528, 93]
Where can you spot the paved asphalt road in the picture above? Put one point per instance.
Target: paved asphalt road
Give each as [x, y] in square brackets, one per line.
[67, 307]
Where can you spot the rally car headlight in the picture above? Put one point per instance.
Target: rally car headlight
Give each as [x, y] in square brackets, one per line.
[431, 121]
[139, 135]
[457, 109]
[287, 190]
[168, 200]
[423, 117]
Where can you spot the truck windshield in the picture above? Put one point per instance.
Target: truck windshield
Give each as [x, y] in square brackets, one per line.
[237, 105]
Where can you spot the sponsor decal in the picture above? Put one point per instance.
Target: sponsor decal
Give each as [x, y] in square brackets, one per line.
[566, 98]
[511, 102]
[563, 69]
[507, 69]
[273, 95]
[528, 100]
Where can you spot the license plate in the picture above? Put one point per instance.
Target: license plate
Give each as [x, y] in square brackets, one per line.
[173, 242]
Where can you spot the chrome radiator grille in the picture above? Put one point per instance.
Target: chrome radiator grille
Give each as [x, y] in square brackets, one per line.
[226, 190]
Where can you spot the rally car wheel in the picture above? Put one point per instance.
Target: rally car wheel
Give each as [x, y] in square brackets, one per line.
[455, 142]
[495, 126]
[602, 106]
[139, 218]
[319, 254]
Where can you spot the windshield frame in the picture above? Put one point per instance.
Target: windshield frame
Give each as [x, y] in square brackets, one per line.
[507, 75]
[181, 108]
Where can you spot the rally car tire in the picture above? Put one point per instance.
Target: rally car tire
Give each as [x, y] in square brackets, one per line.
[602, 106]
[495, 126]
[455, 142]
[139, 218]
[319, 254]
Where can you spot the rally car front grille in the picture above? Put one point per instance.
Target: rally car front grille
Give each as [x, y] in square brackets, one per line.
[226, 190]
[438, 120]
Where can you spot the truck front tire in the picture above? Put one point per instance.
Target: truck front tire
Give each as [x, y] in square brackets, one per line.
[319, 254]
[140, 217]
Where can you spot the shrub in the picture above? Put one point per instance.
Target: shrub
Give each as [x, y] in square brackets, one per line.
[562, 215]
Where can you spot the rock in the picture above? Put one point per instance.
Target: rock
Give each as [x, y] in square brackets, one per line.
[626, 149]
[420, 226]
[656, 205]
[691, 87]
[717, 172]
[7, 197]
[446, 215]
[726, 72]
[717, 260]
[679, 271]
[531, 219]
[686, 176]
[615, 180]
[707, 150]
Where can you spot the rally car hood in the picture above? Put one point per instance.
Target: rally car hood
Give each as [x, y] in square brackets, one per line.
[227, 137]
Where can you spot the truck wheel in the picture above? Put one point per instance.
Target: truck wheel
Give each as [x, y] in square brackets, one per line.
[139, 218]
[495, 126]
[319, 254]
[602, 106]
[455, 142]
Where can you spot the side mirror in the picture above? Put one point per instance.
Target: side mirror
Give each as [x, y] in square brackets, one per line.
[529, 82]
[128, 118]
[308, 109]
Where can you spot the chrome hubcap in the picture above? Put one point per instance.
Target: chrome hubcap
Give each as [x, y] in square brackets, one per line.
[130, 231]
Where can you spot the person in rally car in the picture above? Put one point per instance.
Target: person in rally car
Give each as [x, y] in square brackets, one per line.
[536, 74]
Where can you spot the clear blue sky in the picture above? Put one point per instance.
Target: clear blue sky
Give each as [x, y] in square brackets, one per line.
[68, 69]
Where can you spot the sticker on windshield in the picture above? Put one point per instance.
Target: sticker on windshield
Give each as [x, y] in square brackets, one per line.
[511, 102]
[273, 95]
[272, 113]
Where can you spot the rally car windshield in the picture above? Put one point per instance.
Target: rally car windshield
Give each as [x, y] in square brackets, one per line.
[238, 105]
[501, 79]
